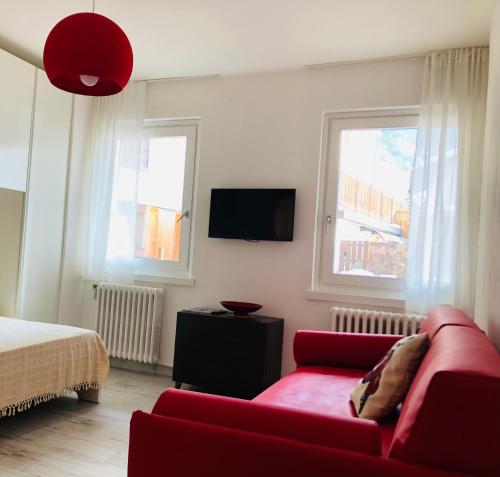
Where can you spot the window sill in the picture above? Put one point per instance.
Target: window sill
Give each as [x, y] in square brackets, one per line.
[352, 297]
[180, 281]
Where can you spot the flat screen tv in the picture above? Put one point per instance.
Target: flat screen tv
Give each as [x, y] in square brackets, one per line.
[252, 214]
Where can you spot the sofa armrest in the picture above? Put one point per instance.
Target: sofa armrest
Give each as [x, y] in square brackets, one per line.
[354, 434]
[341, 350]
[165, 446]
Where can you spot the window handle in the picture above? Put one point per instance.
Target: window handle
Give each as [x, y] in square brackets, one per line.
[185, 214]
[328, 222]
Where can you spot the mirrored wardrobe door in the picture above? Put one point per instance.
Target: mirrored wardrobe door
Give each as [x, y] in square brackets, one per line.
[45, 207]
[16, 100]
[11, 220]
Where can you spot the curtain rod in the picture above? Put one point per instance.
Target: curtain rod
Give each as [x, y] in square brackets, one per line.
[382, 58]
[308, 67]
[314, 66]
[365, 60]
[179, 78]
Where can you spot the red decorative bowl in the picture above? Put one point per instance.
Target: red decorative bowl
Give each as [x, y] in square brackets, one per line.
[240, 308]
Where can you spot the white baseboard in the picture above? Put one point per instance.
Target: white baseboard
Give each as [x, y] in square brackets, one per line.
[162, 370]
[156, 369]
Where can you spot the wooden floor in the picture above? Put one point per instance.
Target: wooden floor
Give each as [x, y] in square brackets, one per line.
[67, 437]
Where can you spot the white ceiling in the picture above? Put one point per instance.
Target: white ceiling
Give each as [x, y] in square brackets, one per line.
[202, 37]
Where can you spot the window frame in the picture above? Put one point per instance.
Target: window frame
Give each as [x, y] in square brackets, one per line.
[351, 288]
[148, 269]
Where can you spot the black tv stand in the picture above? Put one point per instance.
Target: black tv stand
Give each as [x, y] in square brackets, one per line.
[227, 355]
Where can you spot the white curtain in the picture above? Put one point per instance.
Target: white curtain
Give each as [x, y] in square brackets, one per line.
[446, 181]
[115, 153]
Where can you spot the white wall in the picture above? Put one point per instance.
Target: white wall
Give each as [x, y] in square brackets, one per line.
[264, 131]
[487, 312]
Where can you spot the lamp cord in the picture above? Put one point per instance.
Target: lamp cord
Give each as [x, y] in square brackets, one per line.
[93, 6]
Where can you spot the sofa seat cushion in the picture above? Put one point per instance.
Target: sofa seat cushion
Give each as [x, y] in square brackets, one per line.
[324, 390]
[315, 388]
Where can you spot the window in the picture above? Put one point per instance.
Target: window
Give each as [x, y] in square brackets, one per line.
[164, 198]
[365, 176]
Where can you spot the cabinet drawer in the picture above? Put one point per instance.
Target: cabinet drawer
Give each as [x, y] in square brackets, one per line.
[238, 330]
[199, 362]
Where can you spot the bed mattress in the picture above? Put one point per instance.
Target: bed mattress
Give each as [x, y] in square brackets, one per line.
[41, 361]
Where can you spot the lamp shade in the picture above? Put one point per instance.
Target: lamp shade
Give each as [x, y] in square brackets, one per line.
[89, 54]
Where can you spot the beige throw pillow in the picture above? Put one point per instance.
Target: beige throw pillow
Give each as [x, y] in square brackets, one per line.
[386, 385]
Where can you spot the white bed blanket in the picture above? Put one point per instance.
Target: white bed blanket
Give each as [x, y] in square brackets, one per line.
[40, 361]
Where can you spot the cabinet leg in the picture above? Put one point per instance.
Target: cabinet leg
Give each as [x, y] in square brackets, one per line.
[178, 385]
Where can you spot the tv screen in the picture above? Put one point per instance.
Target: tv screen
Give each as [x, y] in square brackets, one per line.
[252, 214]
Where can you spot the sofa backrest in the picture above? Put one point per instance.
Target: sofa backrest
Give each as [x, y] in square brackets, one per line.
[444, 316]
[451, 415]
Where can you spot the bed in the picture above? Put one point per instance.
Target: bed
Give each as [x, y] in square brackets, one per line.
[42, 361]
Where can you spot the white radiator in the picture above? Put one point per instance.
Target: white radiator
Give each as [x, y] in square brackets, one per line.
[352, 320]
[129, 321]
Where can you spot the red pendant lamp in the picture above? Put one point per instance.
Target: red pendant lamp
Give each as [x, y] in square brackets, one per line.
[89, 54]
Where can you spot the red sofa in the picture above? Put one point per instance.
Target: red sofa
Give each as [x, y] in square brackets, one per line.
[303, 425]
